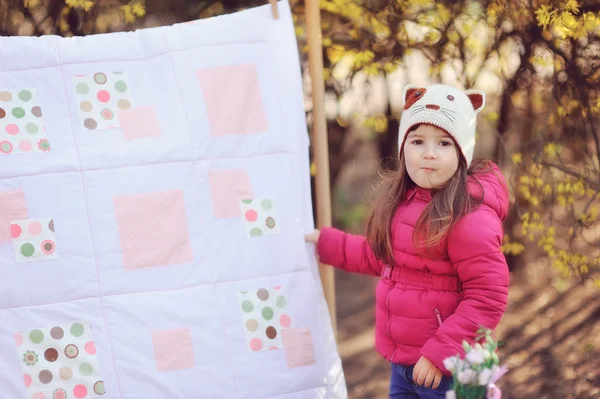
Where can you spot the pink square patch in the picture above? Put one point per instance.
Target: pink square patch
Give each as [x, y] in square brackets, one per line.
[228, 188]
[139, 123]
[153, 229]
[12, 207]
[299, 349]
[173, 349]
[233, 99]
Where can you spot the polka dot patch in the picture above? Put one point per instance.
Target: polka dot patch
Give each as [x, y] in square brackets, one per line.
[60, 361]
[33, 239]
[99, 96]
[51, 355]
[265, 314]
[22, 125]
[99, 388]
[57, 333]
[259, 217]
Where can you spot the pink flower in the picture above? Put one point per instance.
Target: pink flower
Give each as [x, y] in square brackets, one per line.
[497, 373]
[493, 392]
[44, 145]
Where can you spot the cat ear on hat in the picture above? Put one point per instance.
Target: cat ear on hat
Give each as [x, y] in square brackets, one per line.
[408, 91]
[477, 98]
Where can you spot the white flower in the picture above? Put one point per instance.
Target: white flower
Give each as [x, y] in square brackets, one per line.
[475, 356]
[487, 355]
[450, 395]
[450, 363]
[484, 377]
[467, 376]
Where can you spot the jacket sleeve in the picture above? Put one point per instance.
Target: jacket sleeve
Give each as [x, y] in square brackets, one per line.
[474, 249]
[347, 252]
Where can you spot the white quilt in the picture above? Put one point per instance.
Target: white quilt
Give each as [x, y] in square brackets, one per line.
[154, 194]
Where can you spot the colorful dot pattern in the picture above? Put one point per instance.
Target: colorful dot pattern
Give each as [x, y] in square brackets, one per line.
[99, 97]
[259, 217]
[59, 362]
[265, 316]
[22, 129]
[34, 239]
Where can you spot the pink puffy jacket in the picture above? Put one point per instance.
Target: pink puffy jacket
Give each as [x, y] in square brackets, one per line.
[428, 306]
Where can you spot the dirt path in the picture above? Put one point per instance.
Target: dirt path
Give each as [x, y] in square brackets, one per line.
[551, 336]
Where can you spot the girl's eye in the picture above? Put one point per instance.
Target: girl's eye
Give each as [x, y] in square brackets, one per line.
[417, 142]
[445, 143]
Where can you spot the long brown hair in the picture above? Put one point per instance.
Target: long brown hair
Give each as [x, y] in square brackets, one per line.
[448, 204]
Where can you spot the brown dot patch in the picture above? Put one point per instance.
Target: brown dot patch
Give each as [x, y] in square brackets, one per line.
[271, 332]
[51, 355]
[262, 294]
[90, 123]
[45, 376]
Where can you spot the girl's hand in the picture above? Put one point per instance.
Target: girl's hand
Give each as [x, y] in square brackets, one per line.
[313, 237]
[426, 374]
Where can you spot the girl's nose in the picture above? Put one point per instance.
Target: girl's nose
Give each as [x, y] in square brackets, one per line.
[430, 153]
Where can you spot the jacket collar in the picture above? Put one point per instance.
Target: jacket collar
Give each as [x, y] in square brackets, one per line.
[419, 192]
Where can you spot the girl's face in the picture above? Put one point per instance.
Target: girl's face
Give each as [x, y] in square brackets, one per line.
[431, 156]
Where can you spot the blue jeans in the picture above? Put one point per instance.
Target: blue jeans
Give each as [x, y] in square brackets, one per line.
[402, 385]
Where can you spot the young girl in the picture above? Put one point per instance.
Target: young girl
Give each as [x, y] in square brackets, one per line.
[434, 237]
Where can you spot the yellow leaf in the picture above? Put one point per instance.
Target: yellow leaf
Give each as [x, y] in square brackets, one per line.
[453, 36]
[371, 69]
[589, 21]
[31, 3]
[390, 67]
[544, 15]
[84, 5]
[313, 169]
[335, 53]
[572, 5]
[138, 9]
[568, 19]
[517, 158]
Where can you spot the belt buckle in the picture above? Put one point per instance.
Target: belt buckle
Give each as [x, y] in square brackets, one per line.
[387, 272]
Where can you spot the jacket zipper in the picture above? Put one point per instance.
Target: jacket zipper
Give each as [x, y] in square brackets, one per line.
[389, 322]
[438, 316]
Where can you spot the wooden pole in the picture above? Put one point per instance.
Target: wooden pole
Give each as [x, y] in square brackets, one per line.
[319, 140]
[274, 9]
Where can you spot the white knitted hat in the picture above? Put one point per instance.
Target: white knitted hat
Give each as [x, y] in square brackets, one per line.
[454, 111]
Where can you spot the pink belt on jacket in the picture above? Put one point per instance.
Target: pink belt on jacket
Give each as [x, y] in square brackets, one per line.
[436, 282]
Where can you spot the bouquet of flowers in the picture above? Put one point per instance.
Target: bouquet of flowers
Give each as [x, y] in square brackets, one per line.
[475, 376]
